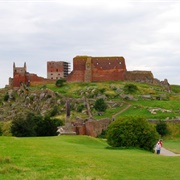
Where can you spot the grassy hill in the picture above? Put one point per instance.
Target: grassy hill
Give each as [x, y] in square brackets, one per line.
[149, 101]
[80, 158]
[141, 102]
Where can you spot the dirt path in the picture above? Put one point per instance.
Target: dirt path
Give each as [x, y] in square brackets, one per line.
[165, 152]
[127, 107]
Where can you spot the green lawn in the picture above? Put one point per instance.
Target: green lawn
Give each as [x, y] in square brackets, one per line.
[172, 145]
[80, 158]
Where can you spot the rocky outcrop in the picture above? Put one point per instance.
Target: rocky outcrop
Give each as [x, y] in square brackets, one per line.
[37, 101]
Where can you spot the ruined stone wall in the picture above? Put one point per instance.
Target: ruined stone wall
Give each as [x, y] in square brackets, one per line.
[33, 77]
[108, 68]
[21, 76]
[90, 127]
[91, 69]
[18, 79]
[139, 76]
[78, 73]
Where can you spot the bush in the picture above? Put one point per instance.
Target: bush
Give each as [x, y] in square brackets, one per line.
[34, 125]
[54, 111]
[0, 129]
[80, 108]
[46, 127]
[6, 128]
[100, 105]
[130, 88]
[59, 82]
[24, 126]
[132, 132]
[162, 128]
[6, 97]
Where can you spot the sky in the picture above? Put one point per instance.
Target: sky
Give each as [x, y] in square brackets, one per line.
[145, 32]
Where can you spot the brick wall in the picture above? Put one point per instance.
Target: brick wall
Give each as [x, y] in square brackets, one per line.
[87, 69]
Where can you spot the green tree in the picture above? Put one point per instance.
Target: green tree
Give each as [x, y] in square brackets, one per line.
[100, 105]
[24, 125]
[47, 127]
[162, 128]
[34, 125]
[60, 82]
[80, 107]
[130, 88]
[54, 111]
[132, 132]
[6, 97]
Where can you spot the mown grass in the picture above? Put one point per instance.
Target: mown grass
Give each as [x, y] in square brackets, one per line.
[172, 145]
[80, 158]
[141, 108]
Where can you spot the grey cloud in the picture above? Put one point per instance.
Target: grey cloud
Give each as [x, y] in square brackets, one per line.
[37, 32]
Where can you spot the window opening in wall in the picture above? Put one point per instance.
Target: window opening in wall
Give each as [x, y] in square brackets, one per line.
[56, 70]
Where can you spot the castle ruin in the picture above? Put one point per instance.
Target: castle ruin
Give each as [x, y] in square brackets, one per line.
[94, 69]
[21, 76]
[85, 69]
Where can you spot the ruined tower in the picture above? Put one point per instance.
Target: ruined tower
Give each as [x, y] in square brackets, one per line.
[19, 75]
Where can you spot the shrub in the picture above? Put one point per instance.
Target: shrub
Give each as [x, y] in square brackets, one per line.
[6, 128]
[59, 82]
[47, 127]
[162, 128]
[80, 108]
[34, 125]
[0, 129]
[24, 126]
[57, 122]
[54, 111]
[132, 132]
[102, 90]
[100, 105]
[130, 88]
[6, 97]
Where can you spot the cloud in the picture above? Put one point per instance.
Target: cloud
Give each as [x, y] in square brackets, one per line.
[146, 33]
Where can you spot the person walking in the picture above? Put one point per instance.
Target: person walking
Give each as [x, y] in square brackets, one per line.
[158, 146]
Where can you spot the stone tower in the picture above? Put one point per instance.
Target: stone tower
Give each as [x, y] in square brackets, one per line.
[57, 69]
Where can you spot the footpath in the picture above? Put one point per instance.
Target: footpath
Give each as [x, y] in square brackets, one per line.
[165, 152]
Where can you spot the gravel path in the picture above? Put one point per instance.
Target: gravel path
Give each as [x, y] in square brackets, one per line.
[165, 152]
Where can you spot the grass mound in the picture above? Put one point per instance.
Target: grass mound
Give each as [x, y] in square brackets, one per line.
[80, 157]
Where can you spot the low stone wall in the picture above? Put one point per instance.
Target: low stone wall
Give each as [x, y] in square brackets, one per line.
[139, 76]
[177, 121]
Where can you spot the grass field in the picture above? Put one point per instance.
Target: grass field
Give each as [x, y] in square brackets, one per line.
[172, 145]
[81, 158]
